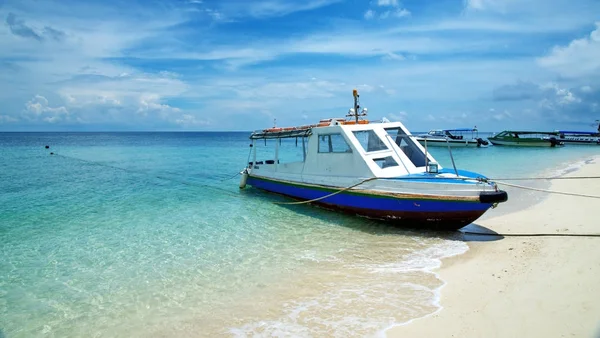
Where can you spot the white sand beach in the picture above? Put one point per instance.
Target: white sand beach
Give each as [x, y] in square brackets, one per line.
[525, 286]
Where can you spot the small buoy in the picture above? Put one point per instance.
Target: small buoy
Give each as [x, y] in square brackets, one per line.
[47, 147]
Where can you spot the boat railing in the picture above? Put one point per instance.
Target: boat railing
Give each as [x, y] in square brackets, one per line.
[274, 133]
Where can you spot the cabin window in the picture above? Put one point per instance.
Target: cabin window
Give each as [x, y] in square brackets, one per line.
[291, 150]
[369, 140]
[333, 143]
[385, 162]
[408, 146]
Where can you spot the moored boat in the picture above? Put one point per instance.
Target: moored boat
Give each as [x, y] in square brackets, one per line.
[371, 169]
[578, 137]
[526, 139]
[581, 137]
[463, 137]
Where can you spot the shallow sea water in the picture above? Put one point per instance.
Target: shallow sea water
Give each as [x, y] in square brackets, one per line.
[147, 234]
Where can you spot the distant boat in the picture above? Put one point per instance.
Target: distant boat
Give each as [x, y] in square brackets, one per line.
[370, 169]
[463, 137]
[579, 137]
[526, 139]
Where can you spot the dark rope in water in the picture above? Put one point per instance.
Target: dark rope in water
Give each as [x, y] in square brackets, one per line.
[161, 177]
[193, 184]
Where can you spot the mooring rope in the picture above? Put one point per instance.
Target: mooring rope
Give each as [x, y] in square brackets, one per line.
[375, 178]
[139, 172]
[227, 179]
[544, 178]
[530, 235]
[544, 190]
[480, 179]
[332, 194]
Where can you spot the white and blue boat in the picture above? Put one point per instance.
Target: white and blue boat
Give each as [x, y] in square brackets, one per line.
[461, 137]
[571, 137]
[581, 137]
[372, 169]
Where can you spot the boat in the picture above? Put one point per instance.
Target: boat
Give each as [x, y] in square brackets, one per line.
[526, 139]
[578, 137]
[370, 169]
[463, 137]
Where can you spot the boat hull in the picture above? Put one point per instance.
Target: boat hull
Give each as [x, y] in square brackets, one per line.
[438, 212]
[593, 142]
[524, 143]
[452, 143]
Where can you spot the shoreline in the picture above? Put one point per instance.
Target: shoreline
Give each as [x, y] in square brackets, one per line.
[523, 286]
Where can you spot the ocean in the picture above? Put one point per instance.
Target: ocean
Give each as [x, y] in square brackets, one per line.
[147, 234]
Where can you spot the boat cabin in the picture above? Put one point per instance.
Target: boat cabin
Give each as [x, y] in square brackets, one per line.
[336, 147]
[526, 134]
[453, 134]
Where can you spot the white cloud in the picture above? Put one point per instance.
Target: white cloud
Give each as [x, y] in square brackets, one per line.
[269, 8]
[37, 108]
[392, 3]
[188, 120]
[501, 116]
[400, 116]
[398, 13]
[564, 95]
[394, 56]
[481, 4]
[7, 119]
[581, 57]
[395, 12]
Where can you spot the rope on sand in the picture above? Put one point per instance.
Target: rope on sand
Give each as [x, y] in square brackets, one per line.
[529, 235]
[544, 178]
[546, 190]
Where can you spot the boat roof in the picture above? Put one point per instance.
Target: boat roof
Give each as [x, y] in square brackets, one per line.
[530, 132]
[306, 130]
[461, 129]
[269, 134]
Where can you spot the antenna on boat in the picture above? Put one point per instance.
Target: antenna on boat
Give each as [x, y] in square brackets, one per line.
[354, 111]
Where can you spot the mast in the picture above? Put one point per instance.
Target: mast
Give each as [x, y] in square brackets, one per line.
[356, 104]
[353, 112]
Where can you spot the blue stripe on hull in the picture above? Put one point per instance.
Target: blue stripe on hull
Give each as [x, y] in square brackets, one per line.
[364, 202]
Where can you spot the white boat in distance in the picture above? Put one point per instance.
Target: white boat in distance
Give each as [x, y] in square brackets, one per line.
[375, 170]
[462, 137]
[581, 137]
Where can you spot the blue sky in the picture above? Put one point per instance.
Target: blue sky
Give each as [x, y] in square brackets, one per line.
[239, 64]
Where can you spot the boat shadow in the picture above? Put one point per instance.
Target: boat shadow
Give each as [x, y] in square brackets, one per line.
[470, 233]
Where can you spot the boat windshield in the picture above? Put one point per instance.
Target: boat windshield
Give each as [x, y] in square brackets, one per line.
[369, 140]
[436, 133]
[407, 145]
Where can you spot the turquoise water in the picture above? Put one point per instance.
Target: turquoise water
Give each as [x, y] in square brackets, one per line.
[147, 234]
